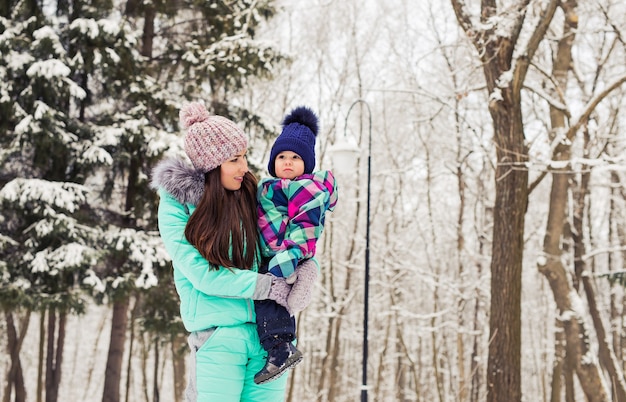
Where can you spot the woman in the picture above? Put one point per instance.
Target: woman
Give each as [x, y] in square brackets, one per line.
[208, 223]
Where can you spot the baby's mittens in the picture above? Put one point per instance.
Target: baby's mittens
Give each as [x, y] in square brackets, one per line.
[279, 292]
[291, 279]
[302, 289]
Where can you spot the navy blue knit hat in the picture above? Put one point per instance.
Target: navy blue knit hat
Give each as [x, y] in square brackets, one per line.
[299, 131]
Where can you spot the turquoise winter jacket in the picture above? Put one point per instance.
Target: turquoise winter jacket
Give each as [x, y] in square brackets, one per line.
[208, 298]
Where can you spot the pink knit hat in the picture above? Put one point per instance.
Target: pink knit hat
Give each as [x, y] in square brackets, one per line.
[210, 140]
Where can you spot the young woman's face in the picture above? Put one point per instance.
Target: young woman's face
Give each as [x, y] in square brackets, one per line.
[233, 170]
[288, 165]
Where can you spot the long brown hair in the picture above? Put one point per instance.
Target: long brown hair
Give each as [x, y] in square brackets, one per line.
[223, 226]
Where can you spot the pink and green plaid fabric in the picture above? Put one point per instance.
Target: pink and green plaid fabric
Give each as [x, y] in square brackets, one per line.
[291, 217]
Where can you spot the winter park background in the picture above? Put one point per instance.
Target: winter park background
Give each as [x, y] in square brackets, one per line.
[497, 191]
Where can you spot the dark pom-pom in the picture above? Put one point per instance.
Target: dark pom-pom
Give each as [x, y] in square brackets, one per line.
[302, 115]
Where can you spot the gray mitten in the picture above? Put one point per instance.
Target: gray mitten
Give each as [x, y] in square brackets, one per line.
[302, 289]
[279, 292]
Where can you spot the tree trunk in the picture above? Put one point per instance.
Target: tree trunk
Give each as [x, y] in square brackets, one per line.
[54, 354]
[15, 377]
[178, 362]
[379, 385]
[332, 365]
[607, 355]
[129, 368]
[559, 363]
[555, 272]
[476, 371]
[614, 299]
[570, 393]
[42, 341]
[576, 334]
[504, 80]
[145, 354]
[330, 361]
[475, 367]
[60, 348]
[435, 350]
[148, 30]
[504, 361]
[402, 384]
[155, 380]
[113, 372]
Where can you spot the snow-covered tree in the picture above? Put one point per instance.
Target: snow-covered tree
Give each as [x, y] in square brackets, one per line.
[50, 239]
[90, 98]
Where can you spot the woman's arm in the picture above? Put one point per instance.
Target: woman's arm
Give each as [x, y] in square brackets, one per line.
[239, 283]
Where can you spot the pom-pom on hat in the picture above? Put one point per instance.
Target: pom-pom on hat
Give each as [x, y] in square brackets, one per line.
[300, 129]
[210, 140]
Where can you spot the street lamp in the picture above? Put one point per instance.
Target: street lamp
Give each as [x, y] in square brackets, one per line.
[344, 153]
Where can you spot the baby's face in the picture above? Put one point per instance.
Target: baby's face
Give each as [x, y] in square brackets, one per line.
[288, 165]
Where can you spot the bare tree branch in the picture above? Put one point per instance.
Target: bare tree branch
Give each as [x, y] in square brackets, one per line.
[521, 67]
[584, 117]
[464, 20]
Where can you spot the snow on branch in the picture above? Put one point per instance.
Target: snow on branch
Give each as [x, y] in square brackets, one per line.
[86, 26]
[93, 28]
[160, 142]
[91, 280]
[38, 194]
[75, 90]
[6, 241]
[16, 61]
[48, 69]
[67, 257]
[55, 69]
[46, 33]
[606, 250]
[14, 29]
[230, 50]
[507, 22]
[144, 250]
[110, 26]
[60, 225]
[580, 165]
[95, 154]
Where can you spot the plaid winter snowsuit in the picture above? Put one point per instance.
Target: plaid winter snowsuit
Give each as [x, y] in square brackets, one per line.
[291, 219]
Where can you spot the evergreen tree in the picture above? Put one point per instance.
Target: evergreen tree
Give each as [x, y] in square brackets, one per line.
[90, 101]
[50, 240]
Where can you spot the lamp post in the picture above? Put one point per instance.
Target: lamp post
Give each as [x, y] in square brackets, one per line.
[346, 151]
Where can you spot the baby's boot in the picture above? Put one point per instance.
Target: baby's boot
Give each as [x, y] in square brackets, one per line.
[279, 359]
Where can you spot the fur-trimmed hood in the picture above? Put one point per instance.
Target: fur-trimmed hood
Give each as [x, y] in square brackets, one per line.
[180, 179]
